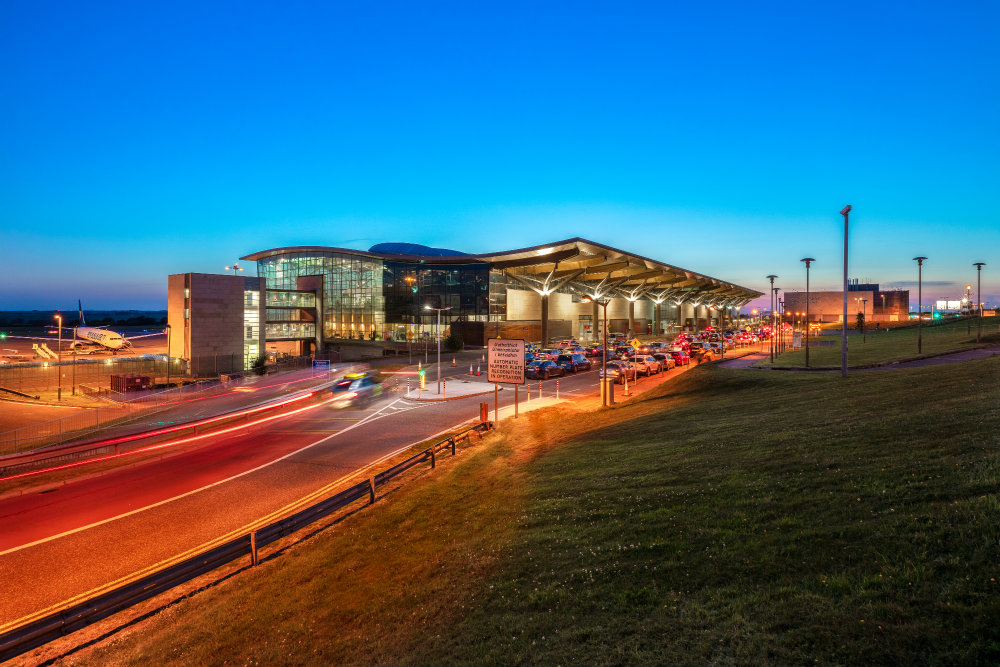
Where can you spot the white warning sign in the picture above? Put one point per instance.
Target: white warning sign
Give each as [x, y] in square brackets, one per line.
[505, 360]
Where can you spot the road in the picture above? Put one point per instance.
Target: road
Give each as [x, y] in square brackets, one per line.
[64, 541]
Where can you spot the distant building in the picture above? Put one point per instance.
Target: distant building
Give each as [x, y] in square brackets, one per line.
[878, 305]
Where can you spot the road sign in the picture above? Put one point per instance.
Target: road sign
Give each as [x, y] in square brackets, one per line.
[321, 365]
[409, 335]
[505, 360]
[635, 343]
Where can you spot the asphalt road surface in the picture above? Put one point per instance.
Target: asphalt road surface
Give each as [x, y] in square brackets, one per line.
[60, 542]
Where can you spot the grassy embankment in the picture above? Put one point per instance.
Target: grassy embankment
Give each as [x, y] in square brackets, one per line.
[725, 517]
[875, 347]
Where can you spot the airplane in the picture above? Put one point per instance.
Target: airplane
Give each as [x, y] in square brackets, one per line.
[92, 339]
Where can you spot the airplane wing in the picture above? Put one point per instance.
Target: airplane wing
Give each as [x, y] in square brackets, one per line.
[161, 333]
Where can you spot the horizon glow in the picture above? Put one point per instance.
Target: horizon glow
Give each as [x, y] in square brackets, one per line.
[142, 141]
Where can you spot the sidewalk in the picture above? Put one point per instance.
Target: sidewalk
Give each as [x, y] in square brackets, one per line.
[450, 390]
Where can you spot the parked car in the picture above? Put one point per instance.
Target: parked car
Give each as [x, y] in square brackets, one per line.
[620, 371]
[548, 353]
[698, 349]
[571, 363]
[647, 364]
[666, 361]
[354, 392]
[681, 358]
[543, 370]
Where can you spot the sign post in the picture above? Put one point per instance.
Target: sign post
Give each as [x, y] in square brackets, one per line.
[635, 345]
[505, 364]
[321, 366]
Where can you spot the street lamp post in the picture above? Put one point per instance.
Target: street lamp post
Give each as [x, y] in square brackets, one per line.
[771, 337]
[864, 320]
[979, 298]
[59, 358]
[846, 211]
[968, 309]
[774, 321]
[234, 268]
[168, 355]
[73, 390]
[920, 301]
[439, 342]
[808, 261]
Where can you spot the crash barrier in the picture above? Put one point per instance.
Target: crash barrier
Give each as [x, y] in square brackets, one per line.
[120, 409]
[33, 632]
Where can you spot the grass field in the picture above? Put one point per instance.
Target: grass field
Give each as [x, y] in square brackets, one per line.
[724, 517]
[898, 343]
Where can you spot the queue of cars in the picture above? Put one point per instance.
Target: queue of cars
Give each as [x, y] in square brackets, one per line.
[625, 362]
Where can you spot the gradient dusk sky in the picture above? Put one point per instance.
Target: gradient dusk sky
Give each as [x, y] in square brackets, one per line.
[143, 139]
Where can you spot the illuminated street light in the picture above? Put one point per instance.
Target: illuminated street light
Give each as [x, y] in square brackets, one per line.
[58, 367]
[234, 268]
[864, 319]
[168, 356]
[846, 211]
[770, 339]
[808, 261]
[979, 298]
[920, 300]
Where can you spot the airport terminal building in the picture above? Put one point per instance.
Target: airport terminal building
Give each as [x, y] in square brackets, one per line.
[311, 299]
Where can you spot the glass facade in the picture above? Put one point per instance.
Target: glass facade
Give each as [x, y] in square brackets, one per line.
[372, 298]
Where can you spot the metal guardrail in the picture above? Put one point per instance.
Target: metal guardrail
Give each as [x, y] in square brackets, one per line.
[59, 623]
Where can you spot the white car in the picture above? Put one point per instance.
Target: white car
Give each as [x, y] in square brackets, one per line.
[647, 364]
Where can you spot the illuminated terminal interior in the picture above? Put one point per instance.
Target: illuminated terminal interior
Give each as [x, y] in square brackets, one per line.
[320, 298]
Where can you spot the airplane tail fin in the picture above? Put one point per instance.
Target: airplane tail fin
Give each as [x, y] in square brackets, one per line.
[83, 323]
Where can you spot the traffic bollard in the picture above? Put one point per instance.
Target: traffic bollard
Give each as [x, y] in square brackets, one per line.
[557, 390]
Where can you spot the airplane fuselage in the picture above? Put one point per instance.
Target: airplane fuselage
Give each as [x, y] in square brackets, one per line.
[102, 337]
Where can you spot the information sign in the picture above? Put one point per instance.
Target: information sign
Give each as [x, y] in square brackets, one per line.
[321, 365]
[505, 360]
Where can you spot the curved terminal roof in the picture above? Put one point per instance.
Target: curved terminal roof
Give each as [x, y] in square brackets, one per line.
[584, 266]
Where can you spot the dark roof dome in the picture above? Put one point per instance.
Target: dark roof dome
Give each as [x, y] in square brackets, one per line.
[412, 249]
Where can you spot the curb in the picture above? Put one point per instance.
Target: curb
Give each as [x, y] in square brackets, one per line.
[448, 398]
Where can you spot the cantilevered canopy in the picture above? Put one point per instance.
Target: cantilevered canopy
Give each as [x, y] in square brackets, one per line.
[584, 266]
[599, 270]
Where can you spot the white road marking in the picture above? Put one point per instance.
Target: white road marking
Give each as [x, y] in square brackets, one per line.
[207, 486]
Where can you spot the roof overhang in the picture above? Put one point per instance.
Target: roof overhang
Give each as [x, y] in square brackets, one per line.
[578, 263]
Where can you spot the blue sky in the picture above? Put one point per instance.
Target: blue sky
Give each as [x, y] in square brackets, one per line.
[139, 140]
